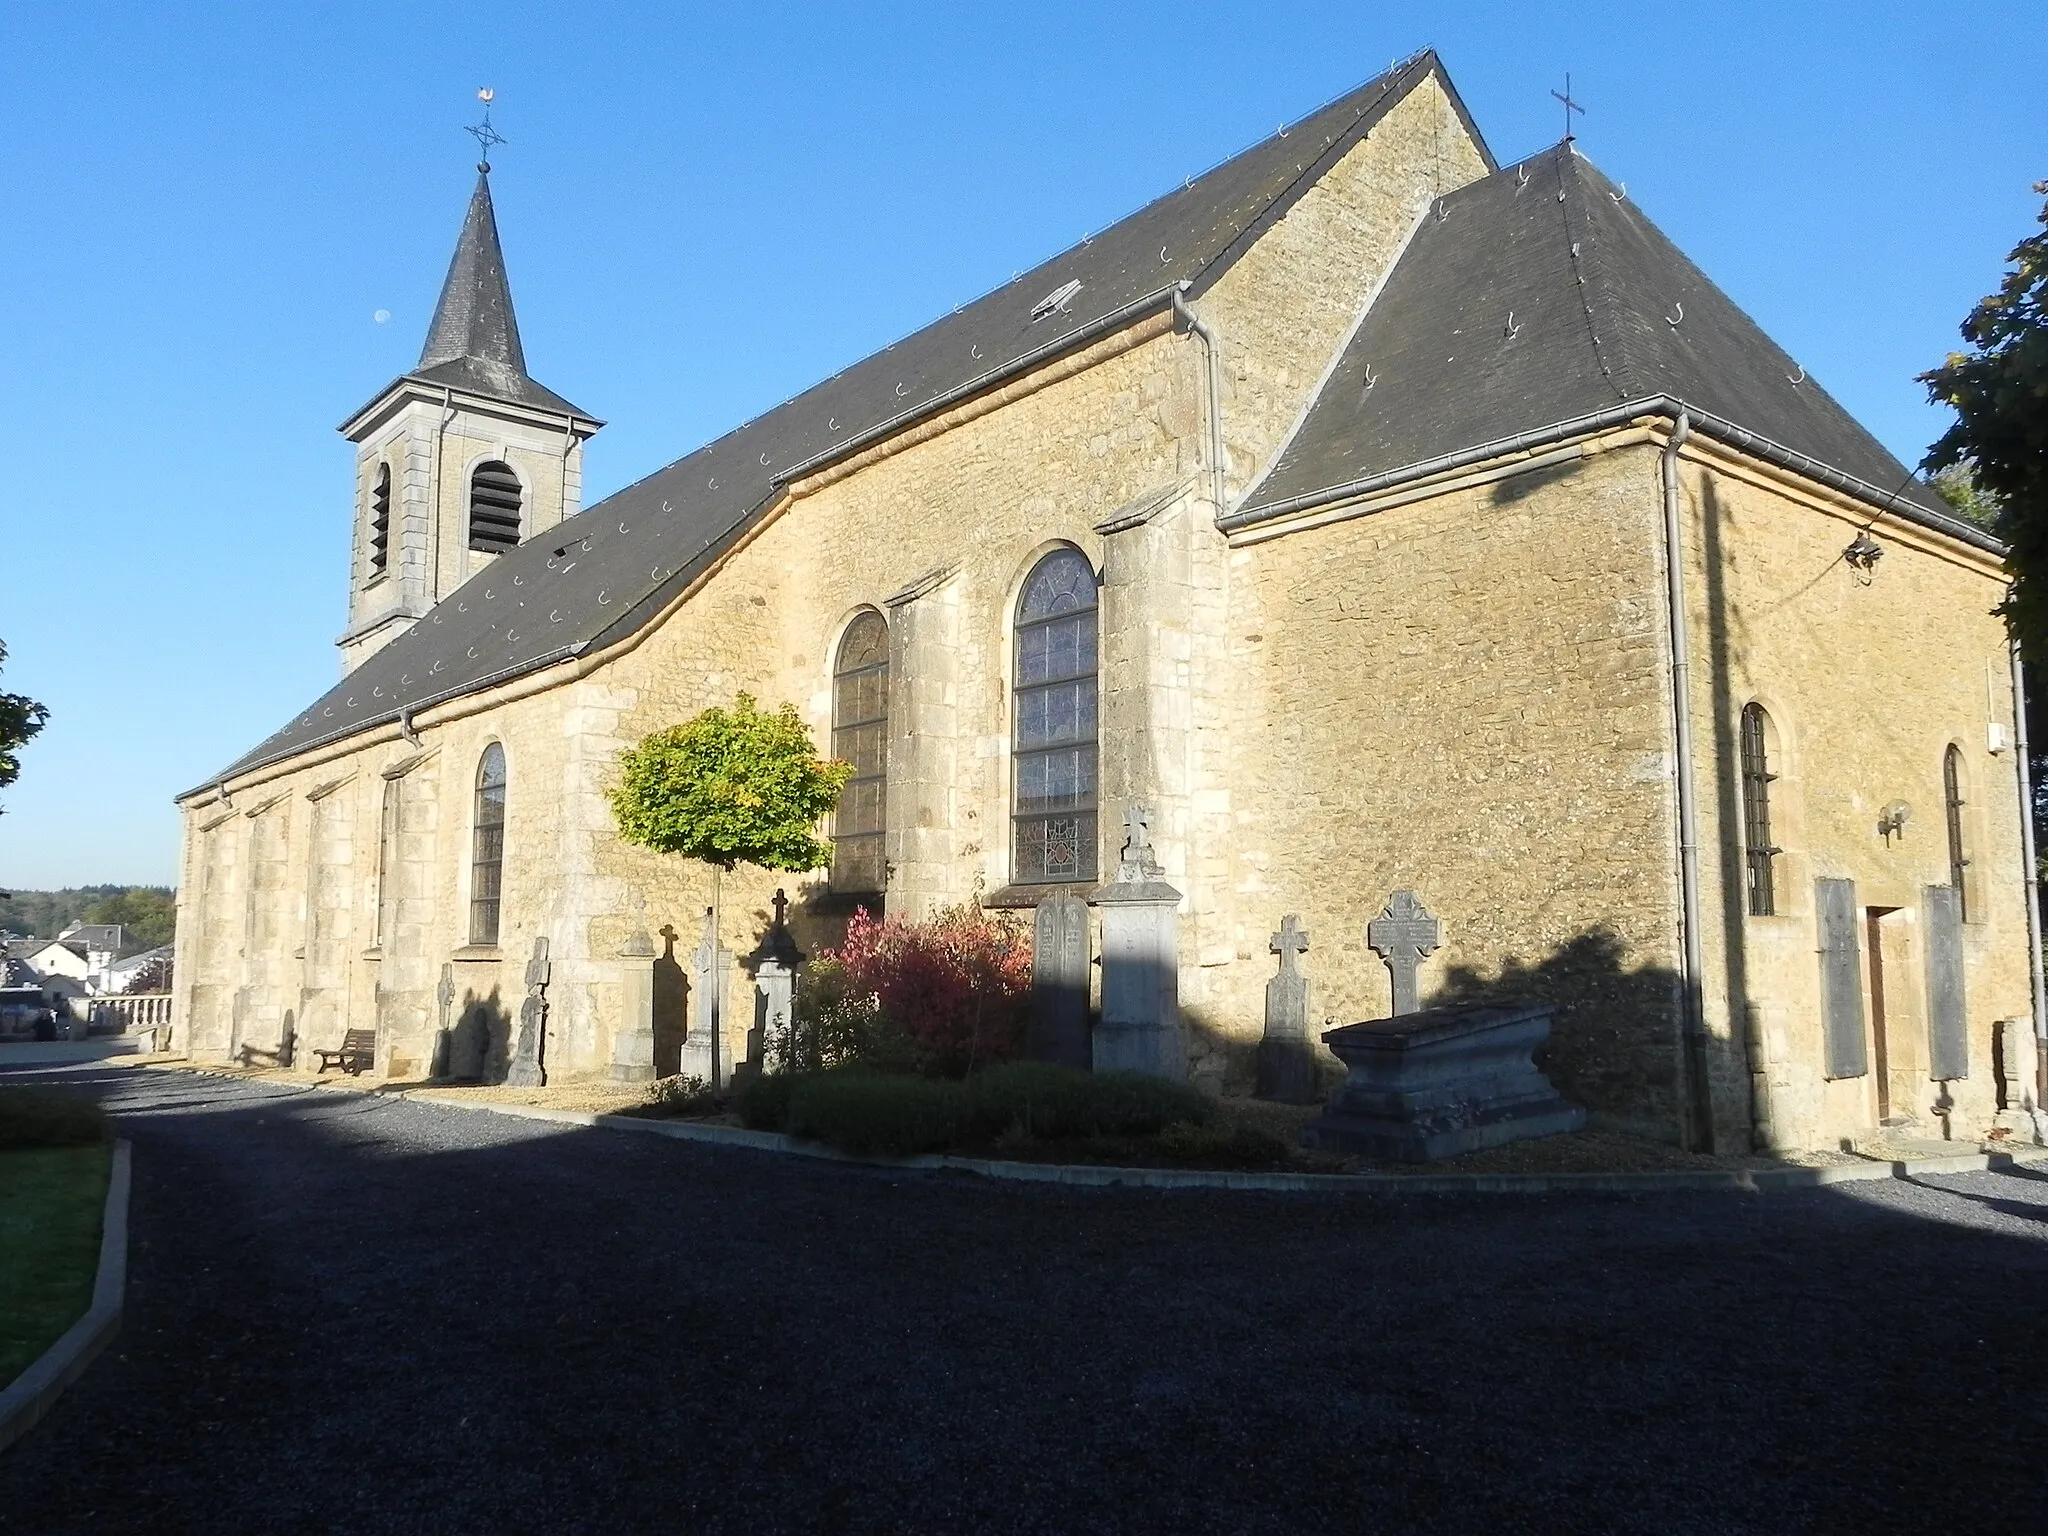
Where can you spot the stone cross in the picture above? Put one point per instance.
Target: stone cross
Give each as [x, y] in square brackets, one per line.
[704, 1047]
[1287, 1063]
[775, 962]
[1405, 935]
[444, 1039]
[529, 1061]
[1137, 851]
[1059, 983]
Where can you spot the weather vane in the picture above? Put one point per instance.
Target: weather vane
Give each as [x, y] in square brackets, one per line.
[487, 136]
[1564, 96]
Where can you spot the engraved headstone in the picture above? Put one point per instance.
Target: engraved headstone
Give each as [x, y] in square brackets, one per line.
[1287, 1062]
[529, 1065]
[704, 1046]
[1059, 983]
[775, 963]
[444, 1033]
[633, 1039]
[1141, 1025]
[1405, 935]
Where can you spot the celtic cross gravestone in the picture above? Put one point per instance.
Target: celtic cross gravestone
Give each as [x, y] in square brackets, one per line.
[1404, 935]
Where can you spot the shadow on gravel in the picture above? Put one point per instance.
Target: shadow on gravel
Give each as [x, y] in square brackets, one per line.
[444, 1320]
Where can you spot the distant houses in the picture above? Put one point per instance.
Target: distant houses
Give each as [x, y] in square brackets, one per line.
[47, 980]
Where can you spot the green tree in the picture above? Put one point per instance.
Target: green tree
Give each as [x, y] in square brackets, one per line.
[732, 786]
[1999, 389]
[148, 917]
[21, 717]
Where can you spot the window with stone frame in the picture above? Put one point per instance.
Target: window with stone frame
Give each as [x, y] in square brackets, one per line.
[495, 500]
[1952, 805]
[380, 521]
[1053, 757]
[1758, 851]
[860, 736]
[487, 855]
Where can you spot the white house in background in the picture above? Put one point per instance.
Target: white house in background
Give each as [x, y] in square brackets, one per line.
[54, 958]
[121, 974]
[101, 945]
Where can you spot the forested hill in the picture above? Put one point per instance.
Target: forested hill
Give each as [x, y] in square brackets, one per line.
[146, 912]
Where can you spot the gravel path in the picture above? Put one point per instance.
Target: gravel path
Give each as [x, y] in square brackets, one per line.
[377, 1316]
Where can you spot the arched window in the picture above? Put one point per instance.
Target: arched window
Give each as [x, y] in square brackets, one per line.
[1053, 806]
[1759, 852]
[487, 860]
[380, 520]
[860, 736]
[494, 501]
[1952, 803]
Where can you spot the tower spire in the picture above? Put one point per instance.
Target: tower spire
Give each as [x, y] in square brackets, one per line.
[474, 317]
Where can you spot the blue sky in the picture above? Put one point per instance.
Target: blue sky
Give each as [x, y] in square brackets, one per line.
[705, 209]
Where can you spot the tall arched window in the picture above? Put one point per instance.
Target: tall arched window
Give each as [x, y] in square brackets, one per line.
[860, 736]
[494, 502]
[487, 858]
[1759, 852]
[1053, 805]
[380, 520]
[1952, 802]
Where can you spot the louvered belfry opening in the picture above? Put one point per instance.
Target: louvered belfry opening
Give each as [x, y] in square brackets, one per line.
[494, 503]
[380, 520]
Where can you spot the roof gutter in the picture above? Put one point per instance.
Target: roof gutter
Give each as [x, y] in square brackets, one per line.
[1704, 423]
[1115, 320]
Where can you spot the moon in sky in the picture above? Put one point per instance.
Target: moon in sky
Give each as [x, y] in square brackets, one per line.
[381, 316]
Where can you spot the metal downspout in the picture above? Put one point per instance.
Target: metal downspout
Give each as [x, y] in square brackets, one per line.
[2032, 875]
[1696, 1117]
[1194, 323]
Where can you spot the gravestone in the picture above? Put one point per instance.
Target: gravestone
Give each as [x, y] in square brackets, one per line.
[704, 1047]
[1059, 983]
[444, 1034]
[529, 1064]
[1442, 1081]
[775, 963]
[633, 1040]
[1141, 1026]
[1405, 935]
[2014, 1052]
[1287, 1061]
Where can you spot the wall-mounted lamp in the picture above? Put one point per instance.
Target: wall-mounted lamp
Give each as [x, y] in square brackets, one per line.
[1891, 821]
[1862, 556]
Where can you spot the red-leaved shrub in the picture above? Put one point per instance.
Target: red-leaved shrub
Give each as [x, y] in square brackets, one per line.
[958, 985]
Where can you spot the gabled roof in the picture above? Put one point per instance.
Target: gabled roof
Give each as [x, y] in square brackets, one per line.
[1541, 296]
[473, 342]
[604, 573]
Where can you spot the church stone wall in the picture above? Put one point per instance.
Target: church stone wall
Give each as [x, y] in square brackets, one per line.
[1866, 681]
[1465, 696]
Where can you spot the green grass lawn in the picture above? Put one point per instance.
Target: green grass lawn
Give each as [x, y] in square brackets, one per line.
[51, 1201]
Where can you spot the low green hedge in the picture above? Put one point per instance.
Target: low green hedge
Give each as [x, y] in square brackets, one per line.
[50, 1117]
[1059, 1103]
[876, 1114]
[894, 1114]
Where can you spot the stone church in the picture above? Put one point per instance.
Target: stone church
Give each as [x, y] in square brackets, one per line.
[1382, 518]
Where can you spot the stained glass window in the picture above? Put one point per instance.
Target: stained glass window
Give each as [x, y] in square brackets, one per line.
[1054, 756]
[860, 736]
[487, 862]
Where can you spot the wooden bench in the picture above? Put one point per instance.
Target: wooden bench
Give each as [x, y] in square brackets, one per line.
[358, 1053]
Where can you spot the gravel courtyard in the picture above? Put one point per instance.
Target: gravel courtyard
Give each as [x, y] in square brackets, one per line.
[358, 1315]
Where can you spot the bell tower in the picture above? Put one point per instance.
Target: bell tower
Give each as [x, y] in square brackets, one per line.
[462, 458]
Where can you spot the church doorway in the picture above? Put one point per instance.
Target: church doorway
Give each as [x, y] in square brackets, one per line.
[1893, 1014]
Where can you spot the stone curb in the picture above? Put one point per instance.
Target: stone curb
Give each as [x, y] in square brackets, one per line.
[1082, 1175]
[36, 1390]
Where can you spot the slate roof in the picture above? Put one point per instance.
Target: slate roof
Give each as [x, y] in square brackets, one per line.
[597, 577]
[473, 342]
[1542, 295]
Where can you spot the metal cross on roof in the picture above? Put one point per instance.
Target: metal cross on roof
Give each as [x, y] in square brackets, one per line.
[1570, 107]
[488, 136]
